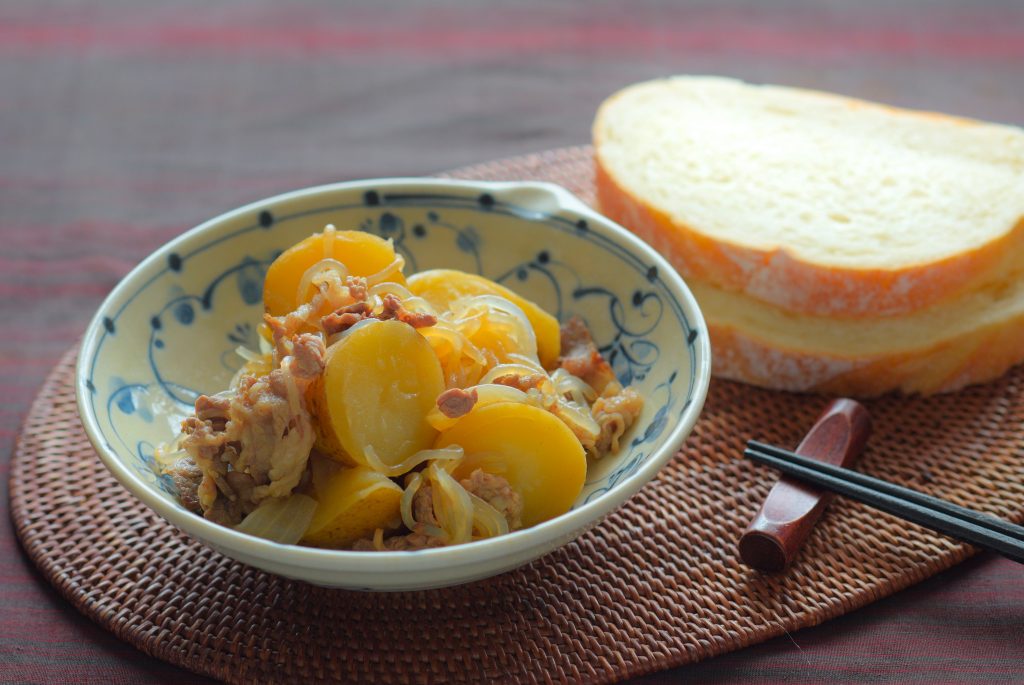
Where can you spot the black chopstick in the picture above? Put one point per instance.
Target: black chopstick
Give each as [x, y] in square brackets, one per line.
[985, 520]
[945, 517]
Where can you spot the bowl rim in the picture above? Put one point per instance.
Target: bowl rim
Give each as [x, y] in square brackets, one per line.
[509, 545]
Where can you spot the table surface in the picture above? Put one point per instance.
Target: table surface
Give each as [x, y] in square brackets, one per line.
[124, 123]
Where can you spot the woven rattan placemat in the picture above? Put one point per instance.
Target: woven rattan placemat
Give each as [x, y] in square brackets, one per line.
[656, 585]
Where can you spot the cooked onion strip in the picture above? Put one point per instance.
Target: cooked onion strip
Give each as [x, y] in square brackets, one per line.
[418, 304]
[315, 275]
[488, 522]
[328, 241]
[405, 506]
[502, 313]
[578, 420]
[396, 266]
[256, 363]
[572, 387]
[461, 360]
[453, 508]
[248, 355]
[512, 370]
[379, 290]
[378, 540]
[281, 520]
[166, 455]
[453, 452]
[532, 362]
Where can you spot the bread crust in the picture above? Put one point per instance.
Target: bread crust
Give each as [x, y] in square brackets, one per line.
[975, 356]
[779, 278]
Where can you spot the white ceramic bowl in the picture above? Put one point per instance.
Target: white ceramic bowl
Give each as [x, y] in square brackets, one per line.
[168, 331]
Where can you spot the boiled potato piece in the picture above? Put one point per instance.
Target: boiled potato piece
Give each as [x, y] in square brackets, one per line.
[351, 504]
[441, 287]
[372, 400]
[530, 448]
[364, 254]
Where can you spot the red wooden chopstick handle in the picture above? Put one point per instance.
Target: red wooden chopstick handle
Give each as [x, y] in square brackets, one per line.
[791, 509]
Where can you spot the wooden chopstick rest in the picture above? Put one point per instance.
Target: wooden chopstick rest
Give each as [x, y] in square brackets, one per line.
[780, 527]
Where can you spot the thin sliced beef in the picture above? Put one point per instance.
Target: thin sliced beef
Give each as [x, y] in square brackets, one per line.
[187, 477]
[497, 492]
[456, 402]
[520, 382]
[581, 358]
[614, 414]
[253, 442]
[393, 309]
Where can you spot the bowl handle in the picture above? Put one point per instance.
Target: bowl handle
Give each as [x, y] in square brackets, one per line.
[541, 197]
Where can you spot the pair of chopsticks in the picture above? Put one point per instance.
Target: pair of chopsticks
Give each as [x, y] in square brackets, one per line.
[945, 517]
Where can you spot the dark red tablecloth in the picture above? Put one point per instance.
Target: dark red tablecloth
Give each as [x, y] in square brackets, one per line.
[124, 123]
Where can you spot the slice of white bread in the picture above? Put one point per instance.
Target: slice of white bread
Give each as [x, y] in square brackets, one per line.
[816, 203]
[971, 339]
[834, 245]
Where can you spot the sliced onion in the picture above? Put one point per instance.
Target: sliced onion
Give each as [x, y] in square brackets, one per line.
[418, 304]
[488, 522]
[532, 362]
[453, 452]
[578, 420]
[447, 458]
[328, 241]
[410, 302]
[489, 393]
[237, 378]
[509, 370]
[443, 333]
[469, 326]
[461, 360]
[452, 507]
[545, 387]
[389, 288]
[256, 364]
[166, 455]
[248, 355]
[309, 276]
[411, 488]
[540, 399]
[573, 387]
[282, 520]
[434, 532]
[378, 539]
[396, 266]
[474, 354]
[501, 311]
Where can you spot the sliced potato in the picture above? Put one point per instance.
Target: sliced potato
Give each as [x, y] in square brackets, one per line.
[441, 287]
[372, 400]
[351, 504]
[535, 452]
[364, 254]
